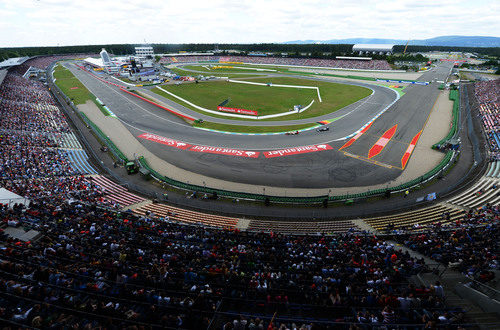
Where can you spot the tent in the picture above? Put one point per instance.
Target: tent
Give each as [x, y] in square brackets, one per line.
[10, 198]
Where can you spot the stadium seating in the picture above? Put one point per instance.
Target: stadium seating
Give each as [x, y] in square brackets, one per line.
[488, 96]
[186, 216]
[114, 192]
[303, 227]
[313, 62]
[33, 136]
[94, 265]
[117, 269]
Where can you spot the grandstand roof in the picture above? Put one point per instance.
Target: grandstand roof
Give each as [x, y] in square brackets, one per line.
[187, 54]
[373, 47]
[8, 197]
[3, 73]
[94, 61]
[13, 62]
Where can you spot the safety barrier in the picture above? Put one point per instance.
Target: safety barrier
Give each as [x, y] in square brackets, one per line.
[413, 82]
[303, 200]
[455, 97]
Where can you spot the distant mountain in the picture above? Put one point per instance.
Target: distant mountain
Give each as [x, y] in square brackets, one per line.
[450, 41]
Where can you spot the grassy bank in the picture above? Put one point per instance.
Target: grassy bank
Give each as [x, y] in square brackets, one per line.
[268, 100]
[70, 85]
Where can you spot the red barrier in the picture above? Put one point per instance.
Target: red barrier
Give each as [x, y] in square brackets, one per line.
[159, 106]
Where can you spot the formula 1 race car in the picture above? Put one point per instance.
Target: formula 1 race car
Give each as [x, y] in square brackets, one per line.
[292, 133]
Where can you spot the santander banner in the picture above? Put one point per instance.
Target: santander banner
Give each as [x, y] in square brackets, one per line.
[164, 140]
[237, 110]
[225, 151]
[297, 150]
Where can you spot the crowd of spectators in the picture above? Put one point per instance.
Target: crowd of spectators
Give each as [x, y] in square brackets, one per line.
[313, 62]
[42, 62]
[469, 244]
[488, 96]
[31, 129]
[92, 265]
[488, 91]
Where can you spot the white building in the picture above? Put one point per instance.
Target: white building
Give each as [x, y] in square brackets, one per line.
[373, 49]
[144, 51]
[106, 60]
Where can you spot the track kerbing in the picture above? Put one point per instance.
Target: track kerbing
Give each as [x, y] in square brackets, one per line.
[382, 142]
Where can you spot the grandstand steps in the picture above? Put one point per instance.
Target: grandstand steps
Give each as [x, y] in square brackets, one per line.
[302, 227]
[242, 224]
[454, 206]
[485, 320]
[137, 205]
[423, 217]
[360, 223]
[450, 279]
[115, 192]
[471, 198]
[79, 160]
[21, 234]
[187, 216]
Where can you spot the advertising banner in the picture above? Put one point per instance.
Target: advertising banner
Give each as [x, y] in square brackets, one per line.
[297, 150]
[225, 151]
[237, 110]
[164, 140]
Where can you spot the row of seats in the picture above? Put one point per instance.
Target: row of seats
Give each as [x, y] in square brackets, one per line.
[114, 192]
[482, 192]
[67, 140]
[488, 96]
[490, 114]
[313, 62]
[302, 227]
[187, 216]
[79, 160]
[421, 217]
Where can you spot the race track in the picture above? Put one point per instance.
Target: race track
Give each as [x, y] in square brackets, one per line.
[358, 164]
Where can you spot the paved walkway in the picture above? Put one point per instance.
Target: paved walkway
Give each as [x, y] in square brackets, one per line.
[422, 161]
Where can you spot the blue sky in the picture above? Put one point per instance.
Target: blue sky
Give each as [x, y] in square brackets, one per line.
[63, 22]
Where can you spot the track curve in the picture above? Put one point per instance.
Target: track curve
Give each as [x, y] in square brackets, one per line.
[331, 168]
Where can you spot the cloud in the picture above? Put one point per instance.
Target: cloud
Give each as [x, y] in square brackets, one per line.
[52, 22]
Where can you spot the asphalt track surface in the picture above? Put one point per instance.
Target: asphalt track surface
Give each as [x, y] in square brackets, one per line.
[348, 167]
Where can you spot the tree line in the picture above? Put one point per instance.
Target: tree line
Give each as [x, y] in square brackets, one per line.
[313, 50]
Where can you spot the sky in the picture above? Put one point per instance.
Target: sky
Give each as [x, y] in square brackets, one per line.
[64, 22]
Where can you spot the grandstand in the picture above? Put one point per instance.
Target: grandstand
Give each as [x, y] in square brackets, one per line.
[373, 49]
[286, 61]
[93, 263]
